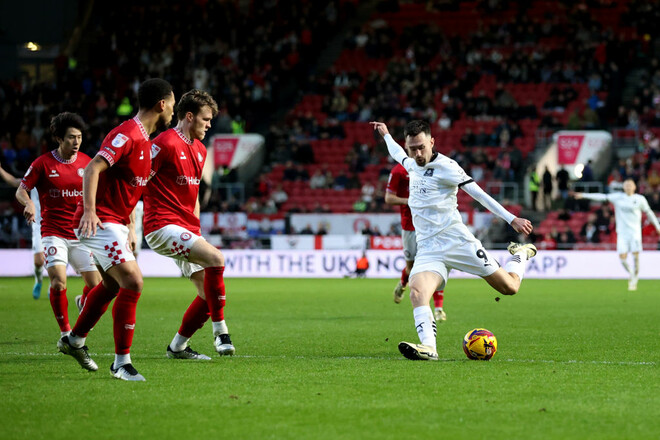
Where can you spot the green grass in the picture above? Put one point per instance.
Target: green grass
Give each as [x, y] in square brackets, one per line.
[318, 359]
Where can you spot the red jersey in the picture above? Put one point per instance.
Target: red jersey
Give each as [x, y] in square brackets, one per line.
[398, 185]
[176, 170]
[59, 183]
[127, 149]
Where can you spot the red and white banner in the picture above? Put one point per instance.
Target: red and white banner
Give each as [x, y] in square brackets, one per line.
[383, 264]
[578, 147]
[231, 151]
[230, 224]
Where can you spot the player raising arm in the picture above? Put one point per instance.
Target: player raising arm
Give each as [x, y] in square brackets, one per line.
[171, 222]
[628, 208]
[443, 241]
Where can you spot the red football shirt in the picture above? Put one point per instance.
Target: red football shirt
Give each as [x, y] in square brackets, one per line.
[127, 149]
[398, 185]
[171, 195]
[59, 183]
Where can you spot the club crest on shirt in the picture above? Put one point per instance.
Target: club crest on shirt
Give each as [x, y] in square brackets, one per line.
[119, 140]
[81, 171]
[52, 250]
[155, 149]
[428, 173]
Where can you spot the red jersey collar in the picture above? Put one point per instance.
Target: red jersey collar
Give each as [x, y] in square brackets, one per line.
[139, 124]
[183, 136]
[59, 158]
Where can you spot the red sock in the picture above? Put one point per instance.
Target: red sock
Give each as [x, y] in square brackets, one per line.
[438, 298]
[97, 302]
[404, 277]
[123, 315]
[60, 306]
[84, 295]
[195, 317]
[214, 289]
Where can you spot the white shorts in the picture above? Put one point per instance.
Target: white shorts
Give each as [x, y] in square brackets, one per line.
[454, 248]
[175, 242]
[60, 252]
[37, 246]
[109, 246]
[139, 231]
[628, 244]
[409, 239]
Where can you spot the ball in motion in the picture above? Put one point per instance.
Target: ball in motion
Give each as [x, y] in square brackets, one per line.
[479, 344]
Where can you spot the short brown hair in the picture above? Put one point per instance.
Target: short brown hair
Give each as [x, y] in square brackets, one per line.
[193, 101]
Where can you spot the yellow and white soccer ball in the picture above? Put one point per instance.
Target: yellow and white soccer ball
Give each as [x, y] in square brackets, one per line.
[479, 344]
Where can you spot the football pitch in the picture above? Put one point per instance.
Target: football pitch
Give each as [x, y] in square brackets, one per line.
[318, 359]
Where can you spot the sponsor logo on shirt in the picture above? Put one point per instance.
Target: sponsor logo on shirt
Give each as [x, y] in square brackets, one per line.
[187, 180]
[183, 156]
[141, 155]
[428, 173]
[54, 173]
[110, 150]
[54, 193]
[119, 140]
[139, 181]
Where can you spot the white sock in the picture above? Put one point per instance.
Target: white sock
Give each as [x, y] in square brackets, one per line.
[38, 273]
[122, 359]
[425, 325]
[62, 334]
[219, 328]
[624, 263]
[517, 264]
[179, 343]
[636, 261]
[76, 341]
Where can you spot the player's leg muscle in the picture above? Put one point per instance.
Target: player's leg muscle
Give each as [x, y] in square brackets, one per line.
[504, 282]
[206, 255]
[422, 286]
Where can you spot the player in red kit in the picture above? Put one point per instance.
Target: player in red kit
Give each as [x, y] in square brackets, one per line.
[113, 183]
[171, 221]
[397, 194]
[57, 176]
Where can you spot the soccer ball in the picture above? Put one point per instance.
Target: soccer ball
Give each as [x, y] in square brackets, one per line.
[479, 344]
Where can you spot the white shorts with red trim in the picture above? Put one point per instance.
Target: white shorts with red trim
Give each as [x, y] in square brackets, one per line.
[175, 242]
[109, 246]
[60, 252]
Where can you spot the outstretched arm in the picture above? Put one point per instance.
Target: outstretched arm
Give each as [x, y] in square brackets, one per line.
[520, 225]
[598, 197]
[651, 215]
[9, 179]
[395, 150]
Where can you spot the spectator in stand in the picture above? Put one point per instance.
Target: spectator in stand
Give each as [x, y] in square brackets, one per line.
[301, 173]
[341, 181]
[562, 179]
[566, 238]
[589, 231]
[547, 189]
[307, 230]
[548, 243]
[534, 185]
[290, 173]
[482, 139]
[654, 201]
[279, 196]
[317, 180]
[368, 191]
[587, 172]
[468, 139]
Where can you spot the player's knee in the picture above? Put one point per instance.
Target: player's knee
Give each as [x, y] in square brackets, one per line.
[58, 284]
[133, 282]
[216, 259]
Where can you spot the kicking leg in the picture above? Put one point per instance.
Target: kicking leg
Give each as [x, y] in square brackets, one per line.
[422, 286]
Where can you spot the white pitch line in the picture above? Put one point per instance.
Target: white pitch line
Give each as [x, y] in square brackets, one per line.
[246, 356]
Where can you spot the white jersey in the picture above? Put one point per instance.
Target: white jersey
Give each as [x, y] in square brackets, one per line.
[627, 211]
[433, 190]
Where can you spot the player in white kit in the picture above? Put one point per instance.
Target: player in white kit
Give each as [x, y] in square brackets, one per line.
[628, 208]
[443, 241]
